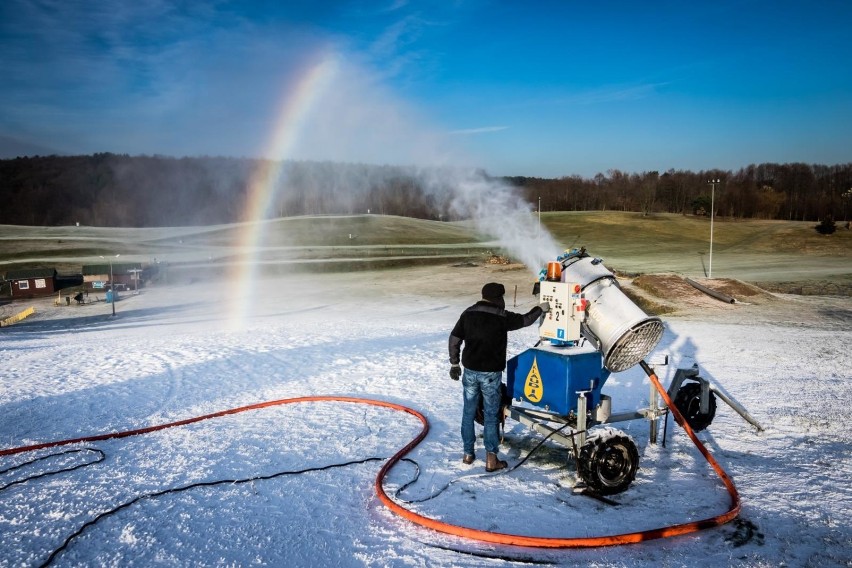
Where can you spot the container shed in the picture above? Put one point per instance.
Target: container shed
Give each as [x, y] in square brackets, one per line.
[31, 282]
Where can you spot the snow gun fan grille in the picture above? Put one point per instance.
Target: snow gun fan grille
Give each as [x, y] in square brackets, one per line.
[634, 345]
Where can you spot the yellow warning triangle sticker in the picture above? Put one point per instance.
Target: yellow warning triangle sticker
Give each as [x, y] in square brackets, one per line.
[533, 387]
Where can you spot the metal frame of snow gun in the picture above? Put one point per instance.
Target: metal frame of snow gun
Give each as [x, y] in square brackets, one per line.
[580, 422]
[695, 397]
[592, 330]
[606, 459]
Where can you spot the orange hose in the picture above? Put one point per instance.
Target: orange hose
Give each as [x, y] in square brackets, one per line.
[259, 405]
[486, 536]
[576, 542]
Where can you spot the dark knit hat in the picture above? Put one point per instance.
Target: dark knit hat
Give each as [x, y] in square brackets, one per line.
[493, 291]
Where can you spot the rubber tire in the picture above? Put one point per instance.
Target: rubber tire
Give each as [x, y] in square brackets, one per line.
[608, 463]
[688, 402]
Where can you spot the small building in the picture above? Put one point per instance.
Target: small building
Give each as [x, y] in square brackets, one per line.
[127, 276]
[32, 282]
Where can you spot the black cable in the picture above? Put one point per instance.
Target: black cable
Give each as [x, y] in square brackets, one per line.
[540, 444]
[505, 557]
[155, 494]
[100, 456]
[451, 482]
[411, 482]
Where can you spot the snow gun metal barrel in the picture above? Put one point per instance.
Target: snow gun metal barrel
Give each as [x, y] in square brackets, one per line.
[623, 332]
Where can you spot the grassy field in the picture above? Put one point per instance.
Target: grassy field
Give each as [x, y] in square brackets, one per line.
[787, 255]
[784, 255]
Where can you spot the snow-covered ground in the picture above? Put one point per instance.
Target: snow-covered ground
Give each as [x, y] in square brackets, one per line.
[170, 353]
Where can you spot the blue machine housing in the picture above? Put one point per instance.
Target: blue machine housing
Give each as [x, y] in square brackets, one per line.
[550, 377]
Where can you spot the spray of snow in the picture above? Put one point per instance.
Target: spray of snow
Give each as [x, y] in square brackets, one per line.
[358, 120]
[498, 211]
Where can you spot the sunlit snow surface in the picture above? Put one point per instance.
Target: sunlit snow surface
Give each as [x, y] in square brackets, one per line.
[170, 354]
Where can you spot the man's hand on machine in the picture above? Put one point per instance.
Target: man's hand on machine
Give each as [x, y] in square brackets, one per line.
[545, 306]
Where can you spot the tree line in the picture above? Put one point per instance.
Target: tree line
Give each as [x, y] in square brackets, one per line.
[799, 192]
[147, 191]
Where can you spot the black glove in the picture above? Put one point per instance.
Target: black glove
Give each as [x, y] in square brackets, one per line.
[455, 372]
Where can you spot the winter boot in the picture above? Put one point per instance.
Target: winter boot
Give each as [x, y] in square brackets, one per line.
[468, 459]
[493, 464]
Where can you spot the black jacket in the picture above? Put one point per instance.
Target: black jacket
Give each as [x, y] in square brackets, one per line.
[483, 328]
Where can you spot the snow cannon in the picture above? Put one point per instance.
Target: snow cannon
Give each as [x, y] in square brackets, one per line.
[592, 330]
[621, 330]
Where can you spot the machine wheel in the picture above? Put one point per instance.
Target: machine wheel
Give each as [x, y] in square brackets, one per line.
[688, 402]
[608, 461]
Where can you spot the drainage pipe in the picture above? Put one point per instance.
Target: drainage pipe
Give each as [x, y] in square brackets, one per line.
[718, 295]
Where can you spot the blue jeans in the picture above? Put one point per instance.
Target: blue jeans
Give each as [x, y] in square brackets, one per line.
[487, 385]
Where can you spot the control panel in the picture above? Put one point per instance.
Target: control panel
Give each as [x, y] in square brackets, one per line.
[567, 311]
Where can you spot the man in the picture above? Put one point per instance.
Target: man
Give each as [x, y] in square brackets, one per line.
[483, 328]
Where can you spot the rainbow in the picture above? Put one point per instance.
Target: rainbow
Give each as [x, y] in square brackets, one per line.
[290, 123]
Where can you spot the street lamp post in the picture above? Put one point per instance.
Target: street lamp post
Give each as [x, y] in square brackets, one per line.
[111, 281]
[712, 183]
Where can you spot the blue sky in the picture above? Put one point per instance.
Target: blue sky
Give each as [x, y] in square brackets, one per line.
[543, 89]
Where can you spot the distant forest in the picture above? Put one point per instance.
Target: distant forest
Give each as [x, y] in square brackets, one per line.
[148, 191]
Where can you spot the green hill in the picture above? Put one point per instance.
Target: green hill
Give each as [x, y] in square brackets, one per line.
[751, 250]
